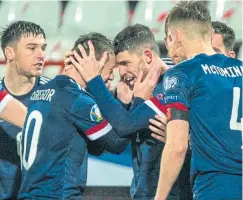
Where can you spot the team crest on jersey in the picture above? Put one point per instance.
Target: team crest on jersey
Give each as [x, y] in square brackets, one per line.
[170, 82]
[95, 114]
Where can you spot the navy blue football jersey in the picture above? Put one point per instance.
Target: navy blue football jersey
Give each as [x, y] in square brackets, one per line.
[61, 117]
[9, 158]
[210, 87]
[146, 158]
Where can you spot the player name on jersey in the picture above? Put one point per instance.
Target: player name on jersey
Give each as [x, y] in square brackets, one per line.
[44, 95]
[227, 72]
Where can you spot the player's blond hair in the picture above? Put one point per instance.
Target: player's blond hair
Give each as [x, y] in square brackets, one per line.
[192, 17]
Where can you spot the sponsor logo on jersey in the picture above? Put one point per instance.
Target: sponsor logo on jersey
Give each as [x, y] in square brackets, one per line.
[159, 96]
[170, 82]
[95, 114]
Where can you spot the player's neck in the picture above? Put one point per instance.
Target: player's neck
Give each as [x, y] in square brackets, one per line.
[16, 83]
[75, 76]
[158, 61]
[199, 48]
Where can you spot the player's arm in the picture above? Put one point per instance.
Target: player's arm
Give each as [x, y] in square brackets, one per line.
[174, 151]
[85, 114]
[177, 102]
[106, 138]
[124, 121]
[11, 110]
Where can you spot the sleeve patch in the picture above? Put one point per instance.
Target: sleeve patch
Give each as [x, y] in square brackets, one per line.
[170, 82]
[95, 114]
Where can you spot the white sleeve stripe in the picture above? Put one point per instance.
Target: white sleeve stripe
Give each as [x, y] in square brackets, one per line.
[44, 78]
[154, 107]
[5, 101]
[100, 133]
[42, 82]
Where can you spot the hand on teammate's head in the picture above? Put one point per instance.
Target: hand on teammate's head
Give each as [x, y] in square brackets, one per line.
[87, 65]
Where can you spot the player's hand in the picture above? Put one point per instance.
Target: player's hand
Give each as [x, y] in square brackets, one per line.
[144, 88]
[87, 65]
[158, 127]
[124, 93]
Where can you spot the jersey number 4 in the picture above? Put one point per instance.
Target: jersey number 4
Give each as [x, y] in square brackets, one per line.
[35, 115]
[234, 125]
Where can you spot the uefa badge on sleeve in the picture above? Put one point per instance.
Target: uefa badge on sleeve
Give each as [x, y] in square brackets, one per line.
[170, 82]
[95, 114]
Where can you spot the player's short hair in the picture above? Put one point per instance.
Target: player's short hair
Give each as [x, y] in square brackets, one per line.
[191, 16]
[134, 38]
[14, 31]
[100, 42]
[227, 33]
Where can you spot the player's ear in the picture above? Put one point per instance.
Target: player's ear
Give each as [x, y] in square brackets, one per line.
[9, 53]
[147, 56]
[231, 54]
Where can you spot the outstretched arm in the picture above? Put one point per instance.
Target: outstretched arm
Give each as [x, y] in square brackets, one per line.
[11, 110]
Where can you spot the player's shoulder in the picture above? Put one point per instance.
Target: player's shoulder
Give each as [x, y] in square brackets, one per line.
[185, 70]
[193, 64]
[233, 62]
[75, 95]
[43, 80]
[70, 86]
[187, 65]
[168, 62]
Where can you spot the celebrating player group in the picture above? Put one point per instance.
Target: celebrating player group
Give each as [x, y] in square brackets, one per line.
[183, 121]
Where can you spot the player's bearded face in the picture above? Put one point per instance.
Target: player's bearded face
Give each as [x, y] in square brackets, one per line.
[30, 55]
[129, 66]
